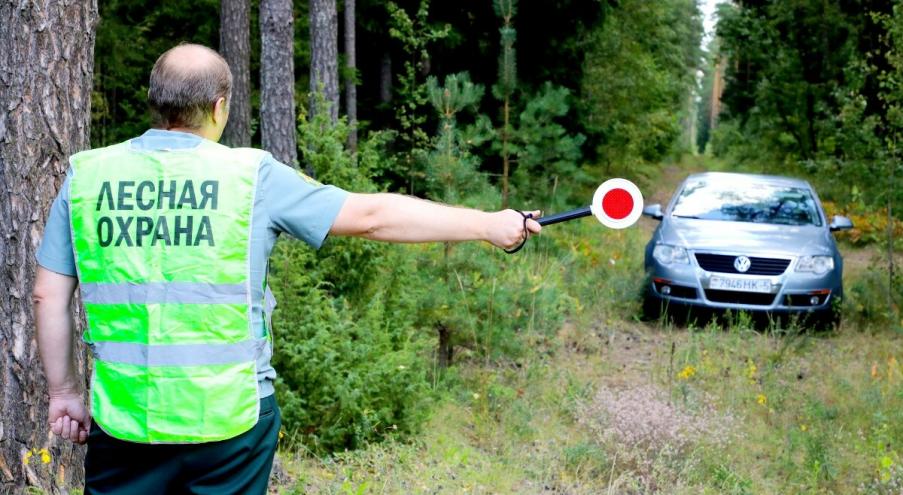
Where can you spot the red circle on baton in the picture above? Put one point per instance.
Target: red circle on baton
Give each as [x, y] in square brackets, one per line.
[617, 203]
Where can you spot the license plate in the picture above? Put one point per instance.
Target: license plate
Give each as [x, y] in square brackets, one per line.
[740, 284]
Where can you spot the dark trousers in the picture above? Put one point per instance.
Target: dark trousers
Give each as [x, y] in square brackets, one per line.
[239, 465]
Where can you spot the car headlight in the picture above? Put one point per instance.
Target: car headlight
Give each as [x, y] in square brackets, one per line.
[818, 265]
[666, 254]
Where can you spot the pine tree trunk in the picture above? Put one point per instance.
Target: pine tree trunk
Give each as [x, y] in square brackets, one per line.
[351, 83]
[506, 159]
[277, 80]
[235, 47]
[324, 56]
[385, 78]
[46, 67]
[445, 351]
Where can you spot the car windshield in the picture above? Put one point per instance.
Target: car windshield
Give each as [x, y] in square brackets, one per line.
[747, 202]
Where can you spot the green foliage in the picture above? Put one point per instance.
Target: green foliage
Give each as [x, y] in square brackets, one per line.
[350, 366]
[322, 143]
[638, 72]
[546, 152]
[451, 167]
[351, 363]
[415, 34]
[119, 97]
[812, 88]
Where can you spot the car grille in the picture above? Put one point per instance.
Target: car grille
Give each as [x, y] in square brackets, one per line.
[723, 263]
[735, 297]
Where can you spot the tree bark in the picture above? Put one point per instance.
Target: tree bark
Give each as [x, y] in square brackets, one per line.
[351, 83]
[46, 69]
[445, 351]
[324, 56]
[277, 80]
[385, 78]
[235, 47]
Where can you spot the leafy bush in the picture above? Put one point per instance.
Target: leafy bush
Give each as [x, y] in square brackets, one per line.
[351, 368]
[869, 225]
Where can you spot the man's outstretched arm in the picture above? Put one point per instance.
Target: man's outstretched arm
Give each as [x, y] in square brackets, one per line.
[68, 415]
[397, 218]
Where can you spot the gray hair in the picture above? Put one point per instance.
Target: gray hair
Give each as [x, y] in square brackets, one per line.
[183, 91]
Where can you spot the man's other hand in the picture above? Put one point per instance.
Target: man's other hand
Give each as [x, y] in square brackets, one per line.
[69, 418]
[506, 229]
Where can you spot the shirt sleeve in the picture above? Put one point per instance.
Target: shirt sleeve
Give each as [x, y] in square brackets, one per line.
[55, 252]
[297, 204]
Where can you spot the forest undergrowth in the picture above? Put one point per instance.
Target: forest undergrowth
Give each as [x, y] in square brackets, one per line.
[608, 403]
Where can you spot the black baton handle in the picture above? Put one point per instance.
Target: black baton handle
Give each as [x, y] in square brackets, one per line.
[563, 217]
[549, 220]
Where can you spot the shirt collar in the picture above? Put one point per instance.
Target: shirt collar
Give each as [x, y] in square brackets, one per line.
[161, 139]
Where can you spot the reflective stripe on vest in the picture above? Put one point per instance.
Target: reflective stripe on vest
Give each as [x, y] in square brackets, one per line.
[162, 247]
[164, 292]
[177, 354]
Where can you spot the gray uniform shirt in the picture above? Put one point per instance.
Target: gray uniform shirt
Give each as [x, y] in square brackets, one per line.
[285, 201]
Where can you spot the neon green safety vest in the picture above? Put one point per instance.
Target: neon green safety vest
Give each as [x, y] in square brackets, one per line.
[162, 247]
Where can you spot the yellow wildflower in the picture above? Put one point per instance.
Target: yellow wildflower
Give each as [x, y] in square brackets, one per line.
[803, 427]
[751, 370]
[687, 372]
[761, 399]
[45, 456]
[28, 455]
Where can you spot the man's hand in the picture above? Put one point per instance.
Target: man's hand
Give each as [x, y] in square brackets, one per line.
[52, 295]
[506, 229]
[69, 418]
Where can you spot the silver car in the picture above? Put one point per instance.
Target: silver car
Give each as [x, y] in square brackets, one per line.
[745, 242]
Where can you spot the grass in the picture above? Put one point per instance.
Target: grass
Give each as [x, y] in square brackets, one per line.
[808, 414]
[736, 409]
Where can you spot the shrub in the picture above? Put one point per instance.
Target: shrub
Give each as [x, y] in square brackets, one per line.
[655, 436]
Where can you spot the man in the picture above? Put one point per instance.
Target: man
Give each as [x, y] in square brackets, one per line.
[167, 235]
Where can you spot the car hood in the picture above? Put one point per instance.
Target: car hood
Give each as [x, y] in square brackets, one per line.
[745, 237]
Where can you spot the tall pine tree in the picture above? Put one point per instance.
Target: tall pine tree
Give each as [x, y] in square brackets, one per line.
[277, 80]
[46, 70]
[235, 47]
[351, 81]
[324, 57]
[507, 83]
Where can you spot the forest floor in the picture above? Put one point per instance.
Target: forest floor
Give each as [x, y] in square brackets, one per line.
[617, 405]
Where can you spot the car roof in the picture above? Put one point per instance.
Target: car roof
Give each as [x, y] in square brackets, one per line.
[778, 180]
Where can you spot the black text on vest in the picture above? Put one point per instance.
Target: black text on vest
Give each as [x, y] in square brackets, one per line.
[171, 196]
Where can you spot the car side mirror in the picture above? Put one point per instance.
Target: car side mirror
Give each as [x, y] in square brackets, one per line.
[840, 222]
[654, 211]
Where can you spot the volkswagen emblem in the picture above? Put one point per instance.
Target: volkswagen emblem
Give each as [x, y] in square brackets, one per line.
[742, 264]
